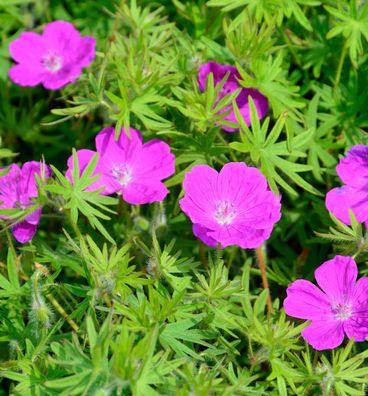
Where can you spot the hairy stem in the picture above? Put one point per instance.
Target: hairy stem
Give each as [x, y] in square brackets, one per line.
[261, 258]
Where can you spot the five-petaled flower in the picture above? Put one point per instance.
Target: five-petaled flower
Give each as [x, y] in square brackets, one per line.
[17, 189]
[353, 171]
[53, 59]
[232, 207]
[128, 166]
[231, 84]
[340, 307]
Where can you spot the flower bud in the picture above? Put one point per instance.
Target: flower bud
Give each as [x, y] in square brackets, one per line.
[41, 315]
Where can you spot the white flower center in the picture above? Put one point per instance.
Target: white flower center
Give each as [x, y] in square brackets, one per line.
[342, 311]
[122, 174]
[52, 62]
[225, 213]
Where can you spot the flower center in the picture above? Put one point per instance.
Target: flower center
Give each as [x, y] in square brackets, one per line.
[52, 62]
[122, 174]
[225, 212]
[342, 311]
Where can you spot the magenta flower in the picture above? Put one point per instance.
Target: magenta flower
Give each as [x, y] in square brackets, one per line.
[128, 166]
[232, 207]
[353, 171]
[53, 59]
[231, 84]
[17, 189]
[340, 307]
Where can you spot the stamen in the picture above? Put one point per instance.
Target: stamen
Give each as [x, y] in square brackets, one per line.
[122, 174]
[342, 311]
[225, 213]
[52, 62]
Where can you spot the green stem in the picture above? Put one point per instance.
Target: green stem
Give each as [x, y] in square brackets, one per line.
[36, 294]
[340, 66]
[291, 47]
[202, 255]
[218, 254]
[10, 241]
[75, 227]
[226, 143]
[123, 210]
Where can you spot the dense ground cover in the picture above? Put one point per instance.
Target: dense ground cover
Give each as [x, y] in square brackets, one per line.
[170, 278]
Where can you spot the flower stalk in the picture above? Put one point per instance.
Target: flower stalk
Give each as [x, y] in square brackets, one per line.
[261, 259]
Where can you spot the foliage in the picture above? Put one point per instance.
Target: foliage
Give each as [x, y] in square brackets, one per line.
[116, 299]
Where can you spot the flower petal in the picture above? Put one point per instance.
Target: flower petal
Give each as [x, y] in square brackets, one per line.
[242, 100]
[337, 278]
[24, 231]
[60, 36]
[28, 48]
[200, 186]
[245, 236]
[34, 217]
[357, 325]
[9, 189]
[257, 208]
[155, 161]
[122, 151]
[58, 80]
[306, 301]
[86, 51]
[353, 169]
[138, 193]
[202, 233]
[26, 76]
[324, 334]
[218, 72]
[29, 170]
[236, 181]
[340, 200]
[360, 295]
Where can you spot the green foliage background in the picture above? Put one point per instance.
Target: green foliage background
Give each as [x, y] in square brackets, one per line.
[113, 299]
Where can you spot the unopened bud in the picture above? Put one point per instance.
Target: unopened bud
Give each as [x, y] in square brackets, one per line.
[141, 223]
[152, 267]
[40, 315]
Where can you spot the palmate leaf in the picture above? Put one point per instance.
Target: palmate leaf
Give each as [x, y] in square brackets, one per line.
[145, 107]
[5, 153]
[345, 108]
[174, 333]
[345, 373]
[204, 108]
[91, 204]
[268, 10]
[248, 40]
[352, 23]
[320, 143]
[269, 77]
[268, 153]
[351, 240]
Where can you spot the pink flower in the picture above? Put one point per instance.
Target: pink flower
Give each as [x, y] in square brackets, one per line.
[353, 171]
[128, 166]
[54, 59]
[340, 307]
[17, 188]
[231, 84]
[233, 207]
